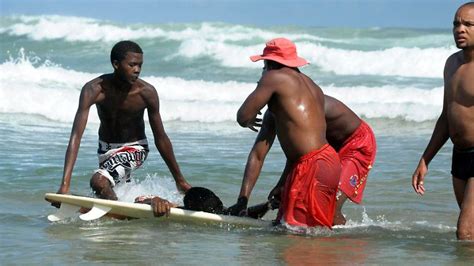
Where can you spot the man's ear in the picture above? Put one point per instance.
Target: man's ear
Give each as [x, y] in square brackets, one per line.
[115, 64]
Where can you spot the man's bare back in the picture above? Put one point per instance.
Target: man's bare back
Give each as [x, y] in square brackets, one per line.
[297, 104]
[341, 122]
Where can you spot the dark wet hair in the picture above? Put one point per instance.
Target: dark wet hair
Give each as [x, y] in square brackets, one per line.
[121, 48]
[274, 64]
[202, 199]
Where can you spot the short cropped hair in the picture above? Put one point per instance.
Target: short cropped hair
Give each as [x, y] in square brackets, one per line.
[274, 64]
[467, 4]
[202, 199]
[121, 48]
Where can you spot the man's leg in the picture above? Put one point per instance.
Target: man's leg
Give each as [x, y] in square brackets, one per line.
[464, 191]
[459, 185]
[339, 218]
[102, 187]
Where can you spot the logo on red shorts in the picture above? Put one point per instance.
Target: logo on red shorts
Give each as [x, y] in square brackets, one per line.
[353, 180]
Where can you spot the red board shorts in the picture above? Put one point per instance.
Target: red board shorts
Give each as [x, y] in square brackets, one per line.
[118, 160]
[309, 194]
[357, 157]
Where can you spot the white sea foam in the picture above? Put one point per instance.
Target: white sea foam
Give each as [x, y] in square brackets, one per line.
[73, 29]
[70, 28]
[397, 61]
[231, 45]
[52, 91]
[395, 226]
[151, 185]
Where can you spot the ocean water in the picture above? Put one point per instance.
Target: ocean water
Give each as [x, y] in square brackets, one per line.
[392, 78]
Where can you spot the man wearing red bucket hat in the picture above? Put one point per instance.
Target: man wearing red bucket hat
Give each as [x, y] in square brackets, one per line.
[346, 132]
[296, 105]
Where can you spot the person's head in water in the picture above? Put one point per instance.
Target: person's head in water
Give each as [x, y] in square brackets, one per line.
[202, 199]
[127, 59]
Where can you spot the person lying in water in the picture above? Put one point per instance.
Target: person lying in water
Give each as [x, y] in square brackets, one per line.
[200, 199]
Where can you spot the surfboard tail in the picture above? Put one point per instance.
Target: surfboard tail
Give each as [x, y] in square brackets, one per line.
[96, 212]
[64, 212]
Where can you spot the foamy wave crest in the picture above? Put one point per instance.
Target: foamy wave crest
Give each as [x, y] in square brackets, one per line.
[71, 28]
[411, 103]
[202, 101]
[74, 29]
[231, 45]
[397, 61]
[228, 55]
[46, 89]
[51, 91]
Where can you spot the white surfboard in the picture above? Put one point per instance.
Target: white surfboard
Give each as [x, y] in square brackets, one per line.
[71, 204]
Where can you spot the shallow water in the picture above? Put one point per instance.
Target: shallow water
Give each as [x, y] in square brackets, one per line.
[43, 68]
[392, 224]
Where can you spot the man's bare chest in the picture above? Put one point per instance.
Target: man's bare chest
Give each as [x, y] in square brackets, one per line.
[461, 86]
[121, 106]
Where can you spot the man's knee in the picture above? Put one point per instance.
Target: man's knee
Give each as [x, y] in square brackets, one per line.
[98, 182]
[102, 187]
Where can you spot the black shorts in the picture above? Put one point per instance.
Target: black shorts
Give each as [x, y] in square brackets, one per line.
[463, 163]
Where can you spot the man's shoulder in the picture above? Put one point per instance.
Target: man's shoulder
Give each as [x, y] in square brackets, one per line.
[452, 64]
[97, 82]
[145, 86]
[455, 58]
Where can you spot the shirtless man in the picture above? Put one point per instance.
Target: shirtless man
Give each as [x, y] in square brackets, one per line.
[456, 122]
[351, 137]
[297, 105]
[121, 99]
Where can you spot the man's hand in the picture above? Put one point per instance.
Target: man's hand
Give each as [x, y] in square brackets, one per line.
[144, 199]
[62, 190]
[240, 208]
[161, 206]
[275, 194]
[257, 122]
[419, 176]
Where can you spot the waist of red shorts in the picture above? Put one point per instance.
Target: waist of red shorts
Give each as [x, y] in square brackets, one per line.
[361, 130]
[326, 148]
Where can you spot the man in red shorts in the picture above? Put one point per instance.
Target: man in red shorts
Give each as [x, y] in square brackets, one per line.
[296, 105]
[345, 132]
[354, 141]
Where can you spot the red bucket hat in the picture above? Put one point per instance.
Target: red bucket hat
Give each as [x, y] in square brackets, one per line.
[282, 51]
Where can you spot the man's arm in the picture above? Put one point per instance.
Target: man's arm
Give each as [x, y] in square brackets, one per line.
[162, 142]
[275, 193]
[255, 160]
[247, 114]
[86, 100]
[438, 139]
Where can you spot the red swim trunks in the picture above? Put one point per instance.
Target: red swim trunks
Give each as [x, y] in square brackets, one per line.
[357, 157]
[309, 195]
